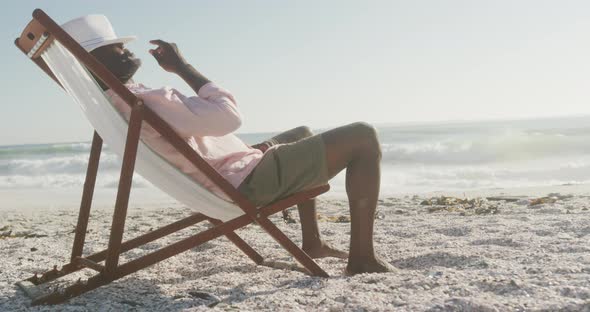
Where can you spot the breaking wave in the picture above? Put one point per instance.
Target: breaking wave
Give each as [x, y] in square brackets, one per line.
[508, 146]
[57, 166]
[418, 158]
[7, 152]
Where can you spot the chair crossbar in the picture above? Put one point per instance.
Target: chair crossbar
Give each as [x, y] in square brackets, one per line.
[89, 264]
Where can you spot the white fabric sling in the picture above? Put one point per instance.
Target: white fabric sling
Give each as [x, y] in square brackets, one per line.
[112, 128]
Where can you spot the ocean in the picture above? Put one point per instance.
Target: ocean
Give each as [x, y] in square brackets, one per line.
[417, 158]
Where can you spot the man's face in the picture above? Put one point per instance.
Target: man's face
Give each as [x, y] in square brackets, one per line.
[120, 61]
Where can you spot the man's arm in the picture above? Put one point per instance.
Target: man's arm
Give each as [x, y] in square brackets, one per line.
[214, 111]
[192, 77]
[171, 60]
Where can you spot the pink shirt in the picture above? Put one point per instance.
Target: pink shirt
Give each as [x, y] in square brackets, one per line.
[205, 122]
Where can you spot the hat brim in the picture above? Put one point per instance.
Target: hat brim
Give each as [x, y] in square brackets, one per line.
[107, 42]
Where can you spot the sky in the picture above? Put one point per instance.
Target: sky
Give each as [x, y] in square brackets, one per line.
[327, 63]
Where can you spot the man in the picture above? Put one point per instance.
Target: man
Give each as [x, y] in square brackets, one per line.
[290, 162]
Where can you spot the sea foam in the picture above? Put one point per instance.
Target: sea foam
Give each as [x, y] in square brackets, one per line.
[416, 158]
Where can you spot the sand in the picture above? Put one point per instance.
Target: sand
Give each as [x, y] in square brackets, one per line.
[499, 255]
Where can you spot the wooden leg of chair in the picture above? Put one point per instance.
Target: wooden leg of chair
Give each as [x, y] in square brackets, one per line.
[125, 180]
[89, 183]
[240, 243]
[291, 247]
[182, 245]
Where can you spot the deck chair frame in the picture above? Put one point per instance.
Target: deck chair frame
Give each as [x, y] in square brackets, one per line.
[36, 37]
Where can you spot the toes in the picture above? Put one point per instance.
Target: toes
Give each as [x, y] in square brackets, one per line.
[376, 267]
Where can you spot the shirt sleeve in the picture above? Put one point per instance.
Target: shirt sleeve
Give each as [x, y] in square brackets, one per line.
[212, 113]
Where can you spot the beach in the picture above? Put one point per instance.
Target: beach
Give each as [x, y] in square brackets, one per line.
[520, 249]
[478, 143]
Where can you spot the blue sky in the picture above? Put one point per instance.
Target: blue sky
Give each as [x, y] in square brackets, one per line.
[328, 63]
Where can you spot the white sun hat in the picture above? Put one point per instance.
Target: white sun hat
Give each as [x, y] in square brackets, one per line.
[93, 31]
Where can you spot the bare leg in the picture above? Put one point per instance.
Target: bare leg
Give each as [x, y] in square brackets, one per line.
[313, 245]
[356, 148]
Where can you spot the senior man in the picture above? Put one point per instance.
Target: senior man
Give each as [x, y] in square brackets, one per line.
[288, 163]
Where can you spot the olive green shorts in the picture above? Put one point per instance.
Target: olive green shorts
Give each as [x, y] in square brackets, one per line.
[286, 169]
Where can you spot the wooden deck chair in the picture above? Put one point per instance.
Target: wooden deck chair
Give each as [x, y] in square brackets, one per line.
[64, 60]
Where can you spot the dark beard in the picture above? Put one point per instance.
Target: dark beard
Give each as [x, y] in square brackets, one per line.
[124, 71]
[127, 69]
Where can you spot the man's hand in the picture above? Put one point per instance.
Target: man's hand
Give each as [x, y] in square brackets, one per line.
[168, 56]
[262, 146]
[171, 60]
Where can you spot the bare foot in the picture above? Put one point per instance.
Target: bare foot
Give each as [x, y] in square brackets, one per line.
[323, 250]
[372, 266]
